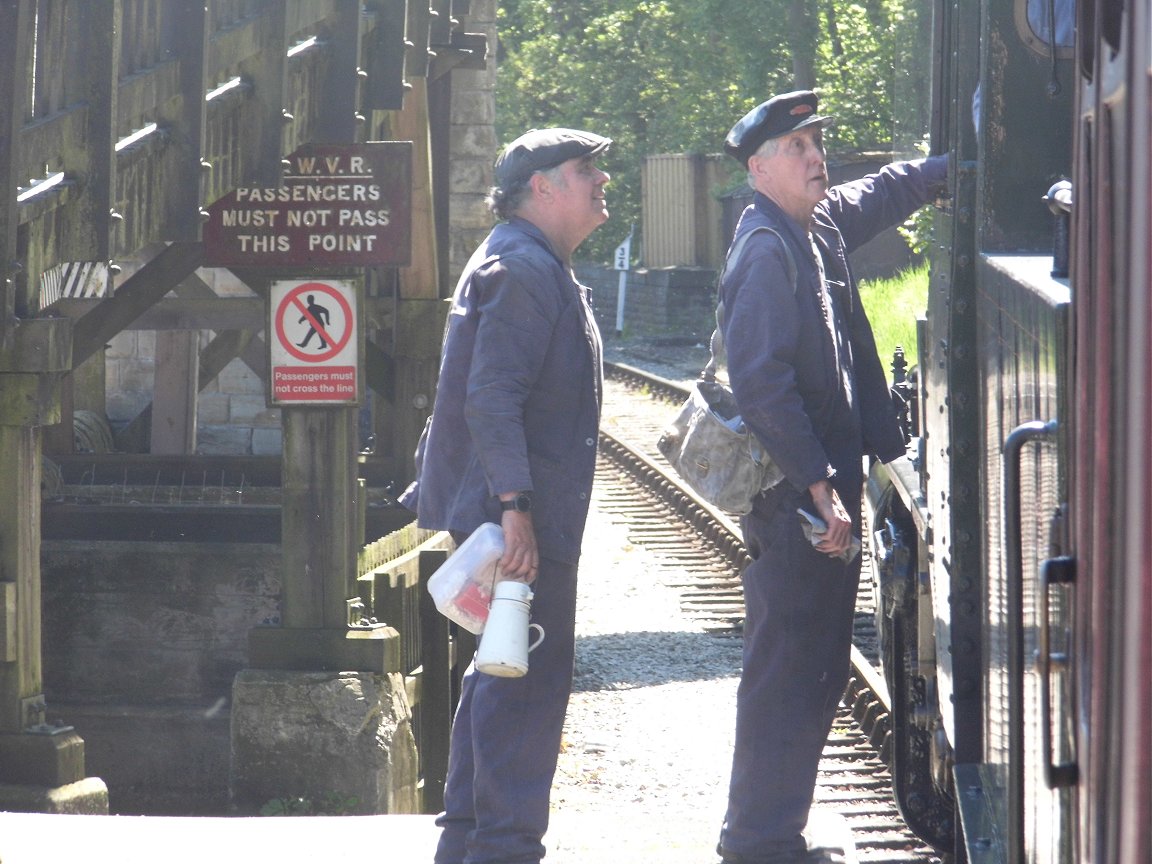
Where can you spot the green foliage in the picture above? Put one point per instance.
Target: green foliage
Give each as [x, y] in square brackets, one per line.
[672, 76]
[332, 804]
[917, 230]
[893, 306]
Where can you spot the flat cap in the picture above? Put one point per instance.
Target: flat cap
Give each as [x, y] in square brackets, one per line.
[778, 116]
[542, 149]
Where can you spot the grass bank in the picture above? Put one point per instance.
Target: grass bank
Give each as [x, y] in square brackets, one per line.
[893, 305]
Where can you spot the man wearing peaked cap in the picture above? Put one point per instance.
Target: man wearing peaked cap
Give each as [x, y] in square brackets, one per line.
[804, 369]
[778, 116]
[512, 440]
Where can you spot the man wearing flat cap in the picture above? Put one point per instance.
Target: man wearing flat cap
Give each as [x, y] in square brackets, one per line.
[805, 372]
[512, 440]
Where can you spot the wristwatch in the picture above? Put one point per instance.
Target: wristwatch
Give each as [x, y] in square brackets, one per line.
[522, 503]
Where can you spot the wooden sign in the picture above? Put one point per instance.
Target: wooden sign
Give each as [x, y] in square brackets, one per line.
[339, 205]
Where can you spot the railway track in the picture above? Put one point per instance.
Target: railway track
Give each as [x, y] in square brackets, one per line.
[706, 547]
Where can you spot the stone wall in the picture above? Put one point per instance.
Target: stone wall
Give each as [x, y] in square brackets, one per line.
[472, 146]
[677, 304]
[141, 642]
[145, 652]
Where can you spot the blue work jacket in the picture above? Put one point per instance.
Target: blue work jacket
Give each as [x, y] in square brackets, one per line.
[518, 398]
[802, 359]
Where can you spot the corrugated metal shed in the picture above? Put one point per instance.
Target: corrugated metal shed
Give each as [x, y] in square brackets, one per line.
[681, 214]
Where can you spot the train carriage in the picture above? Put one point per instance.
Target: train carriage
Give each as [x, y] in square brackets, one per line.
[1012, 547]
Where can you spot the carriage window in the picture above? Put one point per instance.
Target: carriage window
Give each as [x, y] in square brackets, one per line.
[1047, 24]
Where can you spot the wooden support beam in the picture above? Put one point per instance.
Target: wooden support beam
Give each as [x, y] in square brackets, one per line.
[94, 165]
[141, 291]
[267, 71]
[16, 48]
[419, 32]
[386, 84]
[21, 687]
[173, 426]
[184, 119]
[340, 121]
[436, 687]
[381, 370]
[421, 279]
[419, 328]
[318, 501]
[184, 313]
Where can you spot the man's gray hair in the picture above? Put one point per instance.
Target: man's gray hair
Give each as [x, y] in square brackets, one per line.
[767, 148]
[503, 203]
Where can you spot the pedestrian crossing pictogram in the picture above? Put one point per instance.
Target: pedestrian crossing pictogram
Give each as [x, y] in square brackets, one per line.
[314, 350]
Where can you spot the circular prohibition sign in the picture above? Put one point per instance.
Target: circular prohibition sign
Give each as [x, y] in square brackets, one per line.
[292, 299]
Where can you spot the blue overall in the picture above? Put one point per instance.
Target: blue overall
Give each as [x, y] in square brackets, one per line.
[517, 408]
[804, 369]
[506, 738]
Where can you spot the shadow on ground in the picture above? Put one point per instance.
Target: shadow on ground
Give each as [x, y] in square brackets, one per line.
[620, 661]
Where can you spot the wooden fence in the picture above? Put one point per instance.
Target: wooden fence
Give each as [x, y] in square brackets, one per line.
[393, 586]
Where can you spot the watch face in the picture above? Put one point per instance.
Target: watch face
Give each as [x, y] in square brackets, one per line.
[522, 503]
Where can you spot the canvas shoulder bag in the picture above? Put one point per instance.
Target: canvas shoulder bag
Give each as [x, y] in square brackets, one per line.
[707, 443]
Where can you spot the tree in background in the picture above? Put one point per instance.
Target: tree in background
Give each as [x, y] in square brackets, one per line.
[671, 76]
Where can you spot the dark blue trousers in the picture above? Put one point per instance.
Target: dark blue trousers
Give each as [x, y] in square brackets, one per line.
[506, 739]
[797, 647]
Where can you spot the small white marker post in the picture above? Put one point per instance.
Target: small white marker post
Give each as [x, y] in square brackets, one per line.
[623, 258]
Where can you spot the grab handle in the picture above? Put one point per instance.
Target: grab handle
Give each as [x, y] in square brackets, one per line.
[1054, 571]
[1014, 600]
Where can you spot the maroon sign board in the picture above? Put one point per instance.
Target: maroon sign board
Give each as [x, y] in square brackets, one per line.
[339, 205]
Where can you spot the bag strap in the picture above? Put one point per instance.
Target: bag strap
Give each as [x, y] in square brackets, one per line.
[716, 343]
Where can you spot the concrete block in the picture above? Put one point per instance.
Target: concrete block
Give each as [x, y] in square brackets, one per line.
[267, 442]
[55, 759]
[212, 408]
[123, 344]
[146, 345]
[137, 376]
[252, 410]
[342, 741]
[220, 440]
[236, 379]
[85, 797]
[122, 406]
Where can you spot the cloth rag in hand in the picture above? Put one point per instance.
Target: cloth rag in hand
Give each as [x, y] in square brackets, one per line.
[814, 528]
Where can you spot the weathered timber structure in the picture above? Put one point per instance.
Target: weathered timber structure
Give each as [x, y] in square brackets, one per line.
[123, 126]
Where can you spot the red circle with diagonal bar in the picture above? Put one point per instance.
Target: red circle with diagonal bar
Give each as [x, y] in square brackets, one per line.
[292, 299]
